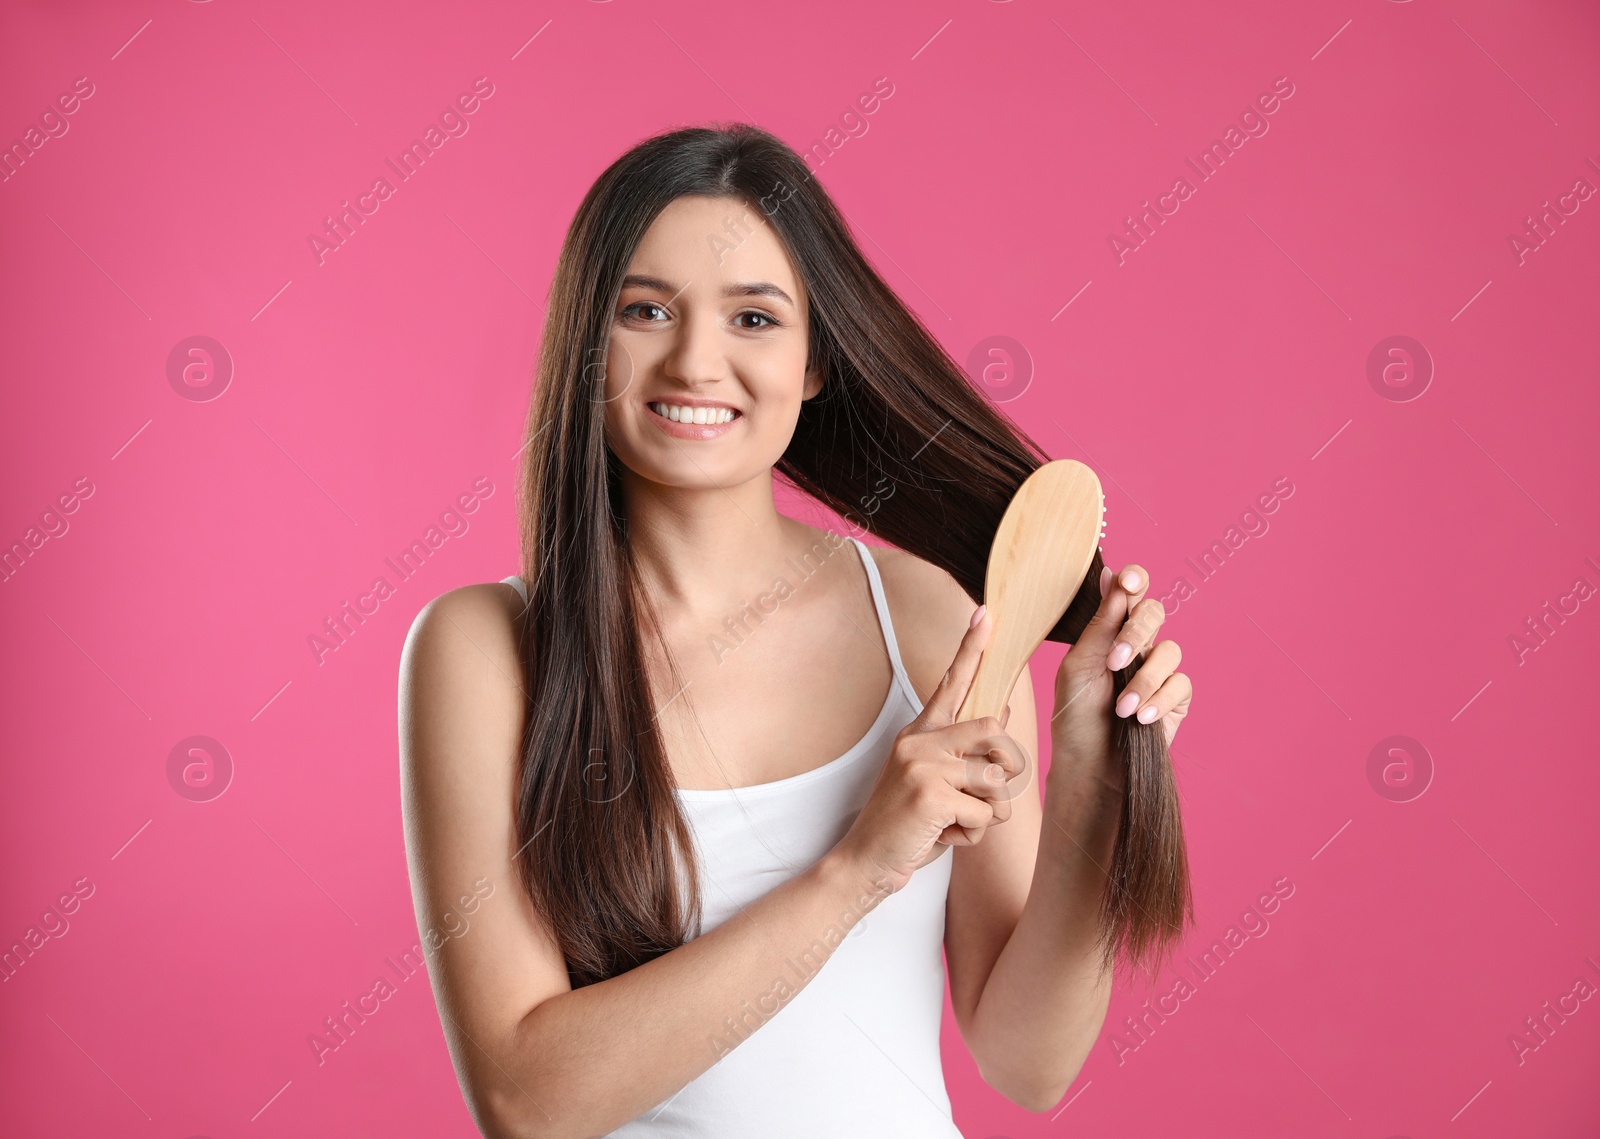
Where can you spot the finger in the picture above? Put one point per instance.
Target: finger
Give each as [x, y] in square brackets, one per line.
[958, 836]
[974, 738]
[1143, 622]
[995, 770]
[991, 773]
[1160, 663]
[1134, 581]
[1173, 695]
[946, 700]
[1094, 643]
[999, 774]
[984, 779]
[1155, 693]
[1172, 717]
[972, 815]
[1002, 751]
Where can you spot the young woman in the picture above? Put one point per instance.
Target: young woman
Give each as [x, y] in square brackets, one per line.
[694, 774]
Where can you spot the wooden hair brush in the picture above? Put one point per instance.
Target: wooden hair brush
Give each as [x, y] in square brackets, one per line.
[1041, 552]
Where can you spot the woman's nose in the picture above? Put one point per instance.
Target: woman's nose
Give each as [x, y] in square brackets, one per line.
[696, 355]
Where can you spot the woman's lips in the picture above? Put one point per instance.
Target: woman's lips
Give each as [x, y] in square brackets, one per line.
[682, 430]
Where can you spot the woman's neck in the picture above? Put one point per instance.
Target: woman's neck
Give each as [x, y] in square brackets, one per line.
[702, 550]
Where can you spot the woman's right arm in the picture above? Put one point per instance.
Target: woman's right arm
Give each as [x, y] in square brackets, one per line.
[535, 1057]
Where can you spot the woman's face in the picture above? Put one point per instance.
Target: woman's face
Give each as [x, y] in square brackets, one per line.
[705, 369]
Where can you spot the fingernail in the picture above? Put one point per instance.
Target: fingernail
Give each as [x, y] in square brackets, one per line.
[1120, 654]
[977, 615]
[1147, 713]
[1127, 703]
[995, 774]
[1130, 582]
[1105, 579]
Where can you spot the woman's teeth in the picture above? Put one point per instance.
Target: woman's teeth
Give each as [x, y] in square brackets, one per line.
[679, 414]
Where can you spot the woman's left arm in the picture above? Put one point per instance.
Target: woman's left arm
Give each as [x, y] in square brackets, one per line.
[1021, 936]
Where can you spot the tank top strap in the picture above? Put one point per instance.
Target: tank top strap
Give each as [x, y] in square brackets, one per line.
[516, 583]
[880, 602]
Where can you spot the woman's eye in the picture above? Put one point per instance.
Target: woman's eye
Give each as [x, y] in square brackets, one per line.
[760, 316]
[629, 311]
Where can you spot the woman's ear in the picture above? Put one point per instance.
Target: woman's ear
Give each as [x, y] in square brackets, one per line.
[813, 384]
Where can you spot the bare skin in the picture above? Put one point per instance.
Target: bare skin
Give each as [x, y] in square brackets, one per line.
[536, 1058]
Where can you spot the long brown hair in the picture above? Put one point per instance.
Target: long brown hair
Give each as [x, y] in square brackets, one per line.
[605, 850]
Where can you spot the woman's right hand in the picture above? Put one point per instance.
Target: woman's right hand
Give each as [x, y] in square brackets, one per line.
[943, 784]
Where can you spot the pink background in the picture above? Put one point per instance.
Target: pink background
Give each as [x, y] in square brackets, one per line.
[1229, 352]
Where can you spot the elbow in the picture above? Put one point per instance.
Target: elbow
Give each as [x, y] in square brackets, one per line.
[497, 1114]
[1038, 1090]
[507, 1108]
[1041, 1103]
[502, 1114]
[503, 1110]
[1037, 1099]
[542, 1101]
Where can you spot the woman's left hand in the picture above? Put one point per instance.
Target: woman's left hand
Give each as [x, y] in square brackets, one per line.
[1123, 626]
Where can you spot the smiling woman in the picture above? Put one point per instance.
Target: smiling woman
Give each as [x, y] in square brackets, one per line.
[733, 915]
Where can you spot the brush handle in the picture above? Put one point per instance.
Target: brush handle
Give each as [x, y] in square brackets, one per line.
[992, 685]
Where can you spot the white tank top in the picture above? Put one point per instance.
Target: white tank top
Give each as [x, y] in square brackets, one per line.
[855, 1052]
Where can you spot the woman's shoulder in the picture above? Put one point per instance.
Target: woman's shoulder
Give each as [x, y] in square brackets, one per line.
[484, 607]
[461, 656]
[930, 612]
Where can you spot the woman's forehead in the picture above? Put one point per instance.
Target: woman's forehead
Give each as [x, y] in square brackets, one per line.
[714, 246]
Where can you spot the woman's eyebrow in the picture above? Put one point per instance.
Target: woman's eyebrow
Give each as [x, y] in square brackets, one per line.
[738, 289]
